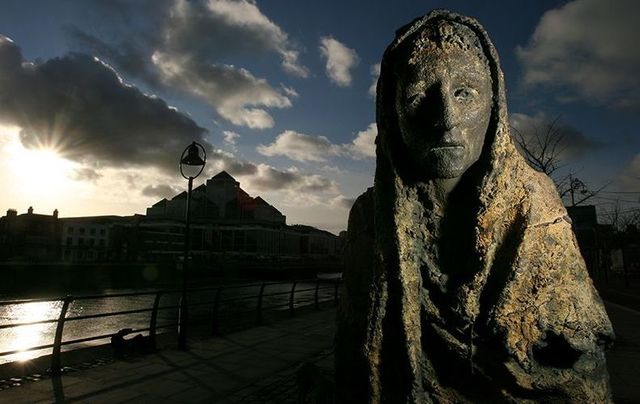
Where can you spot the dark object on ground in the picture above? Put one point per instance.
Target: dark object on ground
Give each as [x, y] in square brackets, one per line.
[138, 345]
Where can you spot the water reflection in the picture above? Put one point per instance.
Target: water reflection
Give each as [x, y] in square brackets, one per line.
[21, 338]
[237, 305]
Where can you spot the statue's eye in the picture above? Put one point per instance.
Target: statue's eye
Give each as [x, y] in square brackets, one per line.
[463, 94]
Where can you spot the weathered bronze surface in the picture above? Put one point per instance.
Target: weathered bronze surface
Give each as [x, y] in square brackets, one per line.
[463, 279]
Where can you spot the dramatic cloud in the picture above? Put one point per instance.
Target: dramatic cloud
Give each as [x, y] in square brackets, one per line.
[300, 147]
[375, 73]
[364, 145]
[80, 107]
[585, 47]
[571, 142]
[184, 52]
[160, 191]
[340, 60]
[304, 148]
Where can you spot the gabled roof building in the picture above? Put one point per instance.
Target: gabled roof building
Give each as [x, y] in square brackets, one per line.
[220, 200]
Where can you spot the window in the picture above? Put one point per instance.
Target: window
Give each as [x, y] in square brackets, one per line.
[92, 231]
[103, 232]
[70, 230]
[80, 241]
[81, 230]
[69, 241]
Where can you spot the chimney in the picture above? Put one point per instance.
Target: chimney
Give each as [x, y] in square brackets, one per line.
[55, 213]
[30, 210]
[12, 213]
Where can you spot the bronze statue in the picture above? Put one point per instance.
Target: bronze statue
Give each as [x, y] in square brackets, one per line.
[463, 279]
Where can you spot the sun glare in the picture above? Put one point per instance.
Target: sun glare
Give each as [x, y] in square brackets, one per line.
[41, 172]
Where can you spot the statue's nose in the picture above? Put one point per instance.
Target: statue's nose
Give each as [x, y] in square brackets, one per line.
[449, 113]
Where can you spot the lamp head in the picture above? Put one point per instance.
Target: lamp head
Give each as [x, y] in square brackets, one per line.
[193, 156]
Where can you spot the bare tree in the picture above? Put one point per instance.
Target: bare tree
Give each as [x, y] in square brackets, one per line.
[543, 148]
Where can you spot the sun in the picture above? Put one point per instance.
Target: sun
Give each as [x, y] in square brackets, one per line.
[39, 172]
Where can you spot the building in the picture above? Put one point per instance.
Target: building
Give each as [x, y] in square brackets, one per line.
[226, 224]
[29, 236]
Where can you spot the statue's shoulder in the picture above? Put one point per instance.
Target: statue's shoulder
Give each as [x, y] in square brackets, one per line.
[545, 205]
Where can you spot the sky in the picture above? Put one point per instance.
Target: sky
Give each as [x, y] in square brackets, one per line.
[98, 98]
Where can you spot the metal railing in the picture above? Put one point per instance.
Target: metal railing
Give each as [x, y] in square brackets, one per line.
[217, 299]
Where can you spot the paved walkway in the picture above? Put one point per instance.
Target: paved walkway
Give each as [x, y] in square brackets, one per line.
[259, 366]
[256, 365]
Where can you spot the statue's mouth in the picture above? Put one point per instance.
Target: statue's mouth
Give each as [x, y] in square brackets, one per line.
[448, 146]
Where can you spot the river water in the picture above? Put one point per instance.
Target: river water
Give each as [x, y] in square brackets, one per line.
[237, 304]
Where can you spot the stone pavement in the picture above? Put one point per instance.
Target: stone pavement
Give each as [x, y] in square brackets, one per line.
[260, 365]
[253, 366]
[623, 360]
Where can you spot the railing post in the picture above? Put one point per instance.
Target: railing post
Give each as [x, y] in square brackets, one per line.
[317, 300]
[215, 322]
[154, 320]
[335, 293]
[57, 342]
[259, 305]
[293, 292]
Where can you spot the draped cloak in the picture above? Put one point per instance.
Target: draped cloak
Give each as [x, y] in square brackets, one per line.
[518, 319]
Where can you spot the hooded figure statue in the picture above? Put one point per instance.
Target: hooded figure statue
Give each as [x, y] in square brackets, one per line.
[463, 281]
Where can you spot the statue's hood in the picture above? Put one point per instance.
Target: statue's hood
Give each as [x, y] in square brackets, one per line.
[389, 142]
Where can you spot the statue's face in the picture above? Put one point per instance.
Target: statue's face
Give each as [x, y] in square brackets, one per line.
[443, 102]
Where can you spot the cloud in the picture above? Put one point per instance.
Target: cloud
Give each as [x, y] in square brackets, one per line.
[375, 73]
[184, 50]
[571, 144]
[233, 91]
[341, 201]
[300, 147]
[159, 191]
[340, 60]
[584, 49]
[364, 145]
[82, 108]
[214, 28]
[269, 178]
[629, 178]
[86, 174]
[230, 137]
[263, 177]
[304, 148]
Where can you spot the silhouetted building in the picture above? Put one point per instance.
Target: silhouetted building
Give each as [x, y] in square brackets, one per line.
[29, 237]
[227, 221]
[220, 200]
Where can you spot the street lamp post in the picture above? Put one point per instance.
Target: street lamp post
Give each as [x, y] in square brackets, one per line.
[191, 157]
